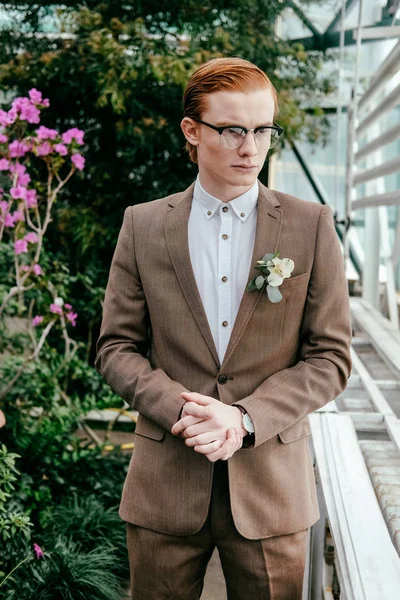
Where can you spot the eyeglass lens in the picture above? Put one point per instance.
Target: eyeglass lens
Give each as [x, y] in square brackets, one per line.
[234, 137]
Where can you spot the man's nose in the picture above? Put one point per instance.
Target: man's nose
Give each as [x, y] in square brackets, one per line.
[249, 145]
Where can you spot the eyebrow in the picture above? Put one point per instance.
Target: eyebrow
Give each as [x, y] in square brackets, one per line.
[230, 123]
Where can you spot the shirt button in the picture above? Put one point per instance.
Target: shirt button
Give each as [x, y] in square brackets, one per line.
[225, 209]
[225, 323]
[242, 214]
[224, 278]
[209, 212]
[225, 236]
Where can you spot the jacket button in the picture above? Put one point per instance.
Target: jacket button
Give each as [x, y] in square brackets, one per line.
[222, 379]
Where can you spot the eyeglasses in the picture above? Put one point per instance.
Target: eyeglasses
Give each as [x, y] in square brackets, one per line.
[232, 136]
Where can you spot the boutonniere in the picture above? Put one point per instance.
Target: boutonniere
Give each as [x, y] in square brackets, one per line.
[273, 271]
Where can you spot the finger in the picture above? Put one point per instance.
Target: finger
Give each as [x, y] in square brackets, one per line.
[198, 398]
[184, 422]
[196, 410]
[201, 416]
[228, 448]
[222, 453]
[208, 448]
[204, 427]
[204, 438]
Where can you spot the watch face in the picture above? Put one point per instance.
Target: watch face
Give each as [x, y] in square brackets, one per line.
[248, 423]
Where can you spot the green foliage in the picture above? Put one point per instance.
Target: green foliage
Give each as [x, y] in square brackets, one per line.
[86, 521]
[67, 573]
[120, 76]
[14, 524]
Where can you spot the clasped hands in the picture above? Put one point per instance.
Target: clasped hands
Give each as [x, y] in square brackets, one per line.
[209, 426]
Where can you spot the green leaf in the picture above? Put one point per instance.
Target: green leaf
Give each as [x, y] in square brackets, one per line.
[251, 286]
[268, 257]
[274, 294]
[259, 281]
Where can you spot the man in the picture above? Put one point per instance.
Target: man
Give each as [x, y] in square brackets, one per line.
[223, 377]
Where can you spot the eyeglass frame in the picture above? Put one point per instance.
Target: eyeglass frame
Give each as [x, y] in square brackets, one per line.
[221, 129]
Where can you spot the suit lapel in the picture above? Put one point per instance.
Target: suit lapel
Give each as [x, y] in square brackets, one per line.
[176, 233]
[268, 230]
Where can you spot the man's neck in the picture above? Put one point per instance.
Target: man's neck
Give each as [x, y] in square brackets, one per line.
[224, 193]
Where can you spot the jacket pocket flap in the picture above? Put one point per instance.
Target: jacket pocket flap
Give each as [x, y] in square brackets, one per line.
[149, 429]
[296, 431]
[295, 281]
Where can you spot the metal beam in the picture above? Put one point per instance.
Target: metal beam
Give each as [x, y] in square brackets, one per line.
[387, 69]
[331, 39]
[335, 21]
[387, 199]
[386, 168]
[303, 17]
[317, 187]
[388, 136]
[389, 102]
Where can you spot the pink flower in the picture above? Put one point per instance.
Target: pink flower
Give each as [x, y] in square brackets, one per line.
[4, 164]
[37, 269]
[28, 111]
[17, 148]
[78, 160]
[3, 206]
[25, 268]
[23, 179]
[36, 321]
[3, 138]
[73, 134]
[31, 237]
[61, 149]
[19, 192]
[4, 118]
[72, 318]
[54, 308]
[38, 551]
[44, 133]
[18, 168]
[20, 246]
[18, 215]
[36, 97]
[44, 149]
[67, 305]
[9, 220]
[31, 200]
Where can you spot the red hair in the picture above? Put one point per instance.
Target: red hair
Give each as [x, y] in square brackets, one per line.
[217, 74]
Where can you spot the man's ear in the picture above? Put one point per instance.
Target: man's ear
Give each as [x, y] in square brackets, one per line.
[190, 130]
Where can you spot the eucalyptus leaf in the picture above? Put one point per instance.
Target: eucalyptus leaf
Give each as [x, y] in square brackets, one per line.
[268, 257]
[259, 282]
[251, 286]
[274, 294]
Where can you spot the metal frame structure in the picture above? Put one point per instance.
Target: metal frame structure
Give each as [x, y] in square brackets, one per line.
[364, 113]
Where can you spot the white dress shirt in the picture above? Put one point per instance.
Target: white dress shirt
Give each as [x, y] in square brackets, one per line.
[221, 242]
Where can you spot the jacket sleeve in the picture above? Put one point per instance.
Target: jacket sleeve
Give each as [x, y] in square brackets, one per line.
[325, 353]
[124, 340]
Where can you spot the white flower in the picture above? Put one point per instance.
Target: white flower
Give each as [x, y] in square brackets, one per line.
[279, 270]
[59, 301]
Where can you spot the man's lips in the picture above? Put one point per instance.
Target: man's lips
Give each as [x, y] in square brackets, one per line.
[245, 166]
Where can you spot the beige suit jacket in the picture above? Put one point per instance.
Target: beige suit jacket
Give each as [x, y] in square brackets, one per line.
[283, 361]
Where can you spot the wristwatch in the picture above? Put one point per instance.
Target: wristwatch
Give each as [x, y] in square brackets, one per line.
[247, 422]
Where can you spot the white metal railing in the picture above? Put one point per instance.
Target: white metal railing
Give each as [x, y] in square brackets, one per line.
[365, 143]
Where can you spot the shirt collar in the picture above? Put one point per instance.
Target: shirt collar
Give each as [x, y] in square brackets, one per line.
[242, 205]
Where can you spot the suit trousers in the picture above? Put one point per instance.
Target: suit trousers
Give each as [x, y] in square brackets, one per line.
[172, 567]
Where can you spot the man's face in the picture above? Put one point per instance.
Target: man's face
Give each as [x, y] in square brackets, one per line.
[223, 170]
